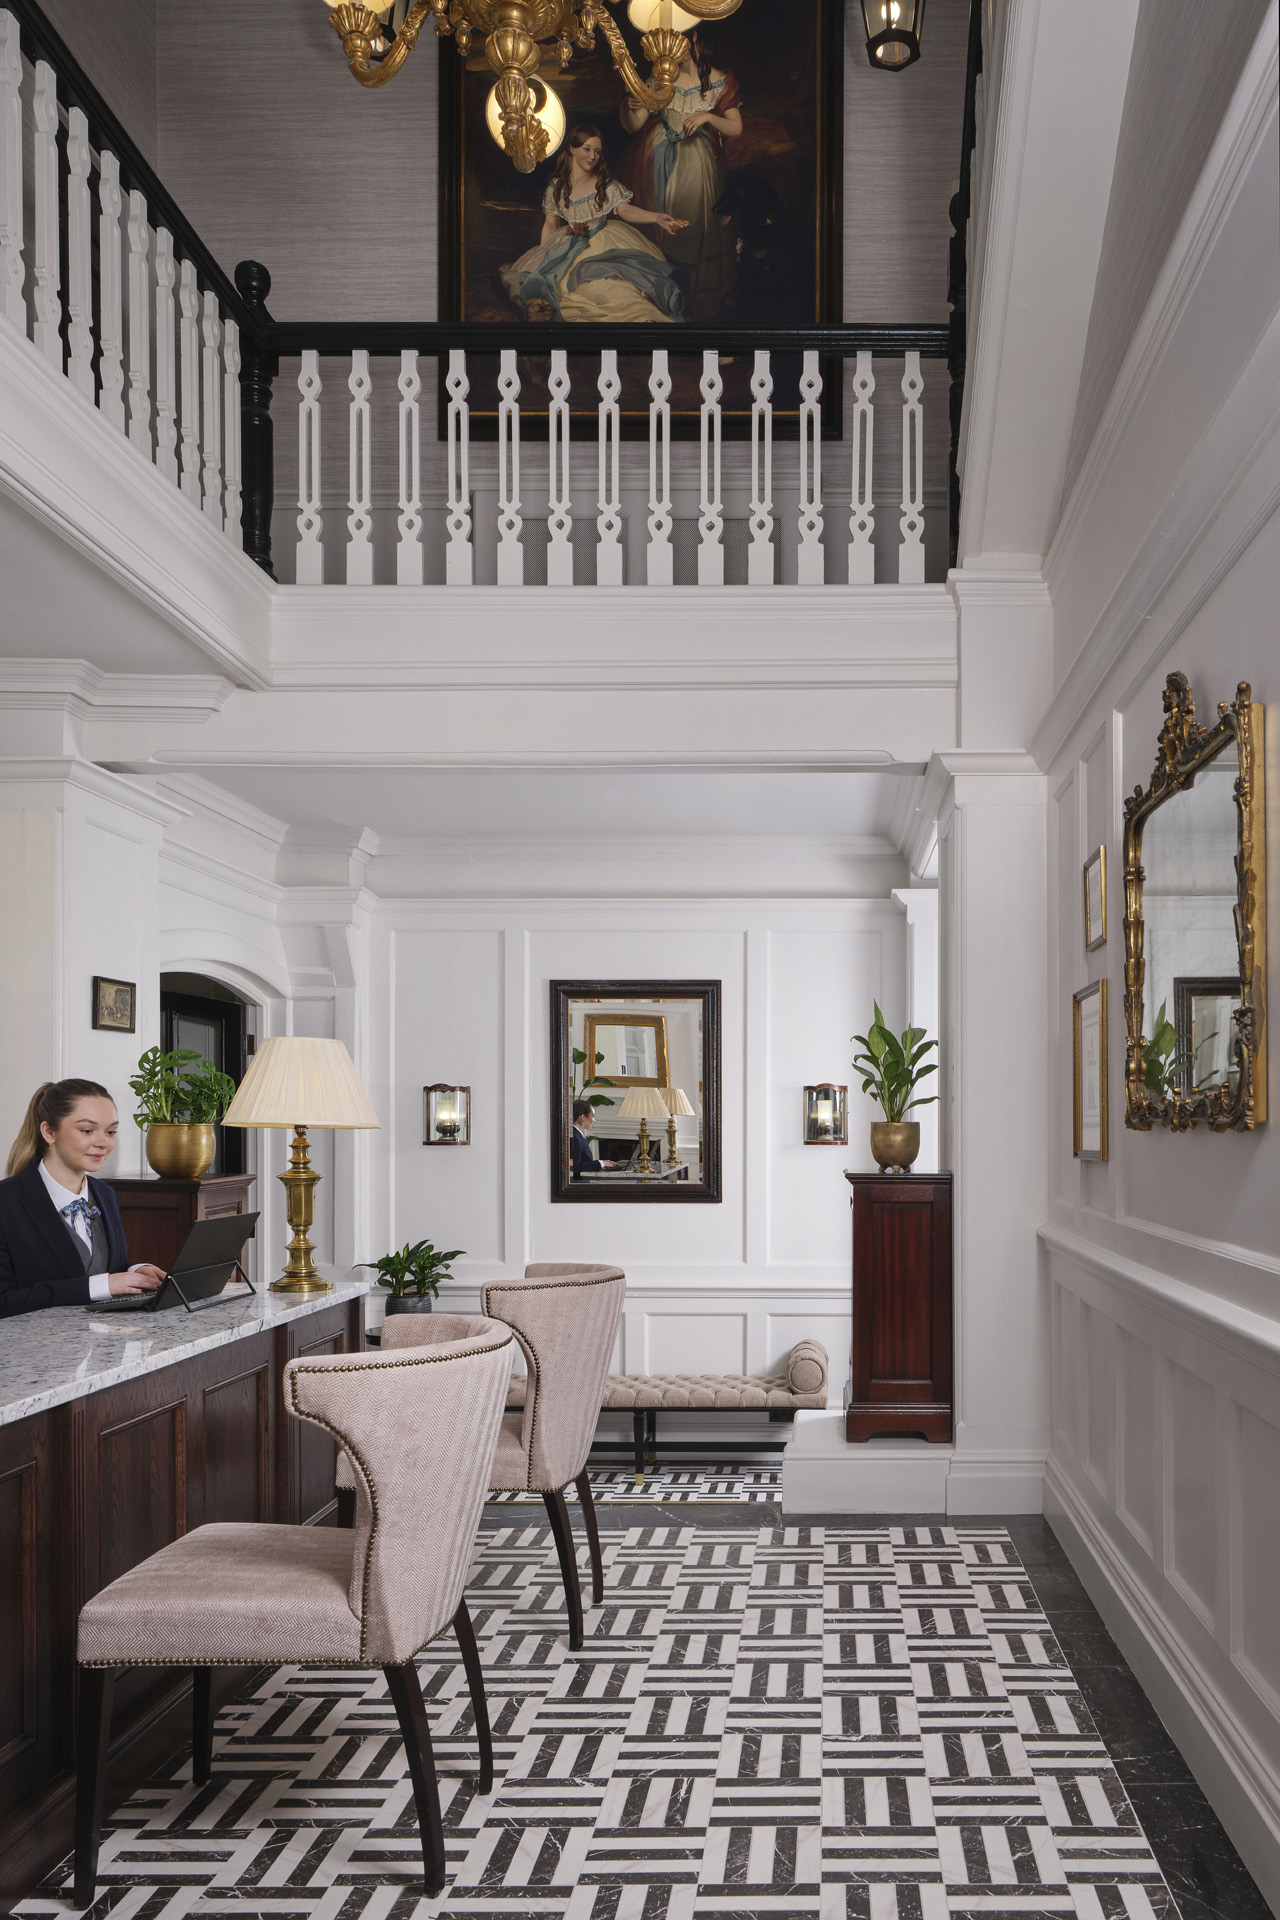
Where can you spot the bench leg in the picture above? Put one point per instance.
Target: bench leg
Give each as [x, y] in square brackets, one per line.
[201, 1725]
[637, 1443]
[652, 1422]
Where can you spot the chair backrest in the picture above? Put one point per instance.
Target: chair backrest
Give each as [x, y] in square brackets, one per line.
[566, 1320]
[419, 1423]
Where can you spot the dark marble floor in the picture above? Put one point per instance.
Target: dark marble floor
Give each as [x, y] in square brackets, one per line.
[1205, 1873]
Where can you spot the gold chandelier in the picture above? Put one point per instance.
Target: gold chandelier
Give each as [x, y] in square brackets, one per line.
[518, 37]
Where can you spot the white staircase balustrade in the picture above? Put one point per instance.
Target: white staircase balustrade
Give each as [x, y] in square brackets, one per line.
[409, 555]
[810, 557]
[139, 306]
[559, 494]
[911, 552]
[12, 270]
[47, 282]
[359, 485]
[79, 255]
[211, 386]
[510, 524]
[166, 359]
[609, 500]
[760, 552]
[659, 554]
[231, 413]
[110, 307]
[189, 376]
[862, 557]
[710, 505]
[310, 563]
[459, 557]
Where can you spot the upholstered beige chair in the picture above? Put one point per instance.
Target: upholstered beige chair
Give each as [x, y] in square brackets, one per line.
[566, 1320]
[419, 1426]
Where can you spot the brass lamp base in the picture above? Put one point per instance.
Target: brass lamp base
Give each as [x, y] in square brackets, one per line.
[300, 1183]
[644, 1164]
[673, 1158]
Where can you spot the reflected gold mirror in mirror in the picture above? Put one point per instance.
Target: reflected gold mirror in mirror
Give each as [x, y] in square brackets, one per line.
[1195, 923]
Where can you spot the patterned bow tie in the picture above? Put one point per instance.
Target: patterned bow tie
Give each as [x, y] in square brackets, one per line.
[82, 1209]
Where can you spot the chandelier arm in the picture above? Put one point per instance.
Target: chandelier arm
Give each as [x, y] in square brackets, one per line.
[710, 9]
[655, 98]
[357, 44]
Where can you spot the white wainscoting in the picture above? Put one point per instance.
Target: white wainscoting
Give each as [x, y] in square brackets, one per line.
[1162, 1485]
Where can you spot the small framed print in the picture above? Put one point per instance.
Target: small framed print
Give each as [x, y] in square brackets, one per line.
[1095, 900]
[1089, 1074]
[115, 1004]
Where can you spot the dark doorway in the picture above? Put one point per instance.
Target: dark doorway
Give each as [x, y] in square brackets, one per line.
[204, 1015]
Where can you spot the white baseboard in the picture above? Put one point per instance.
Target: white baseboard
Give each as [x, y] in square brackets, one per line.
[1237, 1779]
[822, 1472]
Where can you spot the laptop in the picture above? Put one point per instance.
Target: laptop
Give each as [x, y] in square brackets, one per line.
[202, 1266]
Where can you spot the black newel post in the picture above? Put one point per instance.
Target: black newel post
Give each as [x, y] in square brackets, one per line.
[257, 451]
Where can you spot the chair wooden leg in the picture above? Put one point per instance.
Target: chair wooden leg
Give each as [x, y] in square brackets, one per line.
[475, 1684]
[562, 1533]
[93, 1733]
[583, 1484]
[201, 1724]
[415, 1731]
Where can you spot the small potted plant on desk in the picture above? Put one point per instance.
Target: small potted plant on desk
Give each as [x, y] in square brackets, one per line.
[413, 1275]
[180, 1096]
[891, 1072]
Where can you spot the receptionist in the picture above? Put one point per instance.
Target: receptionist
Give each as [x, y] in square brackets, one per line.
[61, 1237]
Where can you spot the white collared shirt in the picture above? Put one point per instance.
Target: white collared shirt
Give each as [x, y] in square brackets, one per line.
[99, 1283]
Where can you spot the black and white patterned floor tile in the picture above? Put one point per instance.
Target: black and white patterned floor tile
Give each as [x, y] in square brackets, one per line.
[827, 1723]
[667, 1486]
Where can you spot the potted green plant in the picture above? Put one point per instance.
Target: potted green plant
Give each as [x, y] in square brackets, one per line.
[589, 1080]
[180, 1097]
[413, 1275]
[891, 1071]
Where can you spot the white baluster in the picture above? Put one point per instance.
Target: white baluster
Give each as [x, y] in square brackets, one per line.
[359, 497]
[660, 555]
[166, 365]
[760, 552]
[310, 567]
[231, 423]
[189, 375]
[12, 271]
[79, 256]
[510, 524]
[711, 507]
[809, 558]
[48, 308]
[609, 518]
[139, 324]
[110, 313]
[459, 559]
[212, 388]
[559, 496]
[911, 552]
[862, 558]
[409, 547]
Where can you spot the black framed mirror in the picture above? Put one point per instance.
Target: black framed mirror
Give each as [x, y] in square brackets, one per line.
[635, 1092]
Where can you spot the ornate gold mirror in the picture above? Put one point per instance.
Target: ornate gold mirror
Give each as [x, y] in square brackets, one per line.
[1195, 922]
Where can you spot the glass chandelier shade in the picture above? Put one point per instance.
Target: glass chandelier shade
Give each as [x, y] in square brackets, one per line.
[893, 32]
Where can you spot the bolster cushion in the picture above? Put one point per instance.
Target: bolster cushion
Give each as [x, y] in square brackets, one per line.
[807, 1367]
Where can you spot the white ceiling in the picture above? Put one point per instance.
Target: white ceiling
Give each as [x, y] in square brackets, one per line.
[401, 804]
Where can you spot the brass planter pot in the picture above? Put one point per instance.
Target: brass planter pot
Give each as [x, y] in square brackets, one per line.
[178, 1151]
[895, 1144]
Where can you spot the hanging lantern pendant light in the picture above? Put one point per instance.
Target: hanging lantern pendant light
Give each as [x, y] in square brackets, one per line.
[893, 32]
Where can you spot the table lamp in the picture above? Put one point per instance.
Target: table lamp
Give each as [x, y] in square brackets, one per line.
[675, 1102]
[643, 1104]
[299, 1083]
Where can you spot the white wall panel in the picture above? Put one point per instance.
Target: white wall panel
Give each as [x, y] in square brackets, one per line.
[694, 1343]
[1137, 1490]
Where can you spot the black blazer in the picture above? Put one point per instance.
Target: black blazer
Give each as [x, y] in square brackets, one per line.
[37, 1264]
[581, 1158]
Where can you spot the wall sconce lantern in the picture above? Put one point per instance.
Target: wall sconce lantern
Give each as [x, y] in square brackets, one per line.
[893, 32]
[826, 1121]
[447, 1119]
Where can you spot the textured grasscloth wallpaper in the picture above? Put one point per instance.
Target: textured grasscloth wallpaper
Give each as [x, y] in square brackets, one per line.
[115, 43]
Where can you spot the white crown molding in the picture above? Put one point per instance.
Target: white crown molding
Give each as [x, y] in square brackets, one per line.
[76, 474]
[205, 797]
[79, 688]
[227, 876]
[995, 588]
[1235, 149]
[100, 782]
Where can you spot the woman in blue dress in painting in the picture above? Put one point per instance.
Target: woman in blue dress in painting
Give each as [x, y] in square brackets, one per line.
[592, 263]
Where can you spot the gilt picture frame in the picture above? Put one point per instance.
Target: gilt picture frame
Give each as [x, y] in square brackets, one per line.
[785, 171]
[1095, 900]
[1089, 1072]
[115, 1005]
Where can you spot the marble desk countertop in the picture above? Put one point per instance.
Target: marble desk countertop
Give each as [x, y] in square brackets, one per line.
[63, 1353]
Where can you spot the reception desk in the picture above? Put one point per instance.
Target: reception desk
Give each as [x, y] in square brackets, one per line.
[117, 1434]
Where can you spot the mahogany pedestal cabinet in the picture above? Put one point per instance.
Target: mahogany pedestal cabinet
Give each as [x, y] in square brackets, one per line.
[901, 1363]
[158, 1214]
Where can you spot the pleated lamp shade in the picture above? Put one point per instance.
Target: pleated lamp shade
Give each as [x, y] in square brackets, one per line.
[675, 1100]
[296, 1082]
[643, 1103]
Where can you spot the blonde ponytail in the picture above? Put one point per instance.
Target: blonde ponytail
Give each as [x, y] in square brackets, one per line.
[50, 1105]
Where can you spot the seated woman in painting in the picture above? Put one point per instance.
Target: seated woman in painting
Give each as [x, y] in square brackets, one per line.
[591, 263]
[676, 163]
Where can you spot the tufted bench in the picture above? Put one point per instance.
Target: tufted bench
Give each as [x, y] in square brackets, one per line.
[645, 1395]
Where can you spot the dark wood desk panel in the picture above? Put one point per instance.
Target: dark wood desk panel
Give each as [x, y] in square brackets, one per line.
[159, 1214]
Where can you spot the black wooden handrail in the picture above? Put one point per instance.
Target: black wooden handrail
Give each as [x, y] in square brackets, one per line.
[434, 337]
[39, 41]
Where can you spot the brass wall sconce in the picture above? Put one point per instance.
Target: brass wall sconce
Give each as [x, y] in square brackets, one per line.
[826, 1116]
[446, 1116]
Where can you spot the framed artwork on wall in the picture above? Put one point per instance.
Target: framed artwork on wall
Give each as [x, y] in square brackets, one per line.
[1095, 900]
[115, 1004]
[1089, 1071]
[755, 192]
